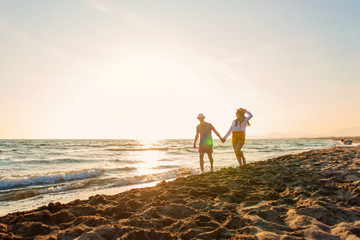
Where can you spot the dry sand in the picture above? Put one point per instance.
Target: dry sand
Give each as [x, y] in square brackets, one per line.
[311, 195]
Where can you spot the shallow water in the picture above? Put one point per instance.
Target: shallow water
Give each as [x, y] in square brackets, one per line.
[36, 172]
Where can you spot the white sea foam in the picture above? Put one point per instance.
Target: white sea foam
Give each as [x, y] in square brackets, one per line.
[153, 177]
[102, 184]
[46, 178]
[63, 188]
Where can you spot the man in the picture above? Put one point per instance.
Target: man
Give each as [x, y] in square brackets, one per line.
[204, 130]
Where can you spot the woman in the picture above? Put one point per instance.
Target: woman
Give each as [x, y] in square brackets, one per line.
[237, 129]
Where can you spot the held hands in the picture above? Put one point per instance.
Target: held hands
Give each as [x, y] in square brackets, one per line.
[223, 140]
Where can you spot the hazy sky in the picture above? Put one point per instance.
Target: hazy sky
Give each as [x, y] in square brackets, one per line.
[145, 69]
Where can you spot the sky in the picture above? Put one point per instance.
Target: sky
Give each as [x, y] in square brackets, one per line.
[145, 69]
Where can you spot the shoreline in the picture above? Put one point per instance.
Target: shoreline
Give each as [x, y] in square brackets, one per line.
[107, 174]
[313, 194]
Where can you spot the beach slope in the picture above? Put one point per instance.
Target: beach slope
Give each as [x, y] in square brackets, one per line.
[311, 195]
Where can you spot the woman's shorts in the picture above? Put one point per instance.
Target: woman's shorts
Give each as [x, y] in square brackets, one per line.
[205, 149]
[238, 137]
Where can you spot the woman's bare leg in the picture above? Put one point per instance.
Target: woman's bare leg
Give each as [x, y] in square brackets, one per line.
[237, 149]
[243, 158]
[239, 153]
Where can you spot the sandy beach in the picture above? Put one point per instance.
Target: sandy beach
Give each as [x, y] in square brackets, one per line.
[311, 195]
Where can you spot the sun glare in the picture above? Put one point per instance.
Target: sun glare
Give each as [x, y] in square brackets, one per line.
[150, 154]
[140, 89]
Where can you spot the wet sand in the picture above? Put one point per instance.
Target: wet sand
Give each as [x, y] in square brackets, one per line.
[311, 195]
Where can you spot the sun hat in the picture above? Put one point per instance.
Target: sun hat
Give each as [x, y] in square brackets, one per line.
[200, 115]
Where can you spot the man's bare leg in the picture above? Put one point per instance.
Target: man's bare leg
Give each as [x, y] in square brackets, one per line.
[202, 162]
[211, 162]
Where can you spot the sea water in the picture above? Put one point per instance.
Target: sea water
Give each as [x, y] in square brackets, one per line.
[37, 172]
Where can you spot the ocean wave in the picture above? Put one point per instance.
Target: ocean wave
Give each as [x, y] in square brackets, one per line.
[294, 149]
[13, 195]
[51, 161]
[172, 174]
[126, 161]
[137, 149]
[165, 167]
[100, 183]
[124, 144]
[122, 169]
[43, 144]
[19, 195]
[33, 192]
[275, 150]
[257, 148]
[47, 178]
[222, 147]
[63, 188]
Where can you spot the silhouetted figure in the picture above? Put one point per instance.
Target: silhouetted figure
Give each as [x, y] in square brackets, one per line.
[237, 128]
[206, 142]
